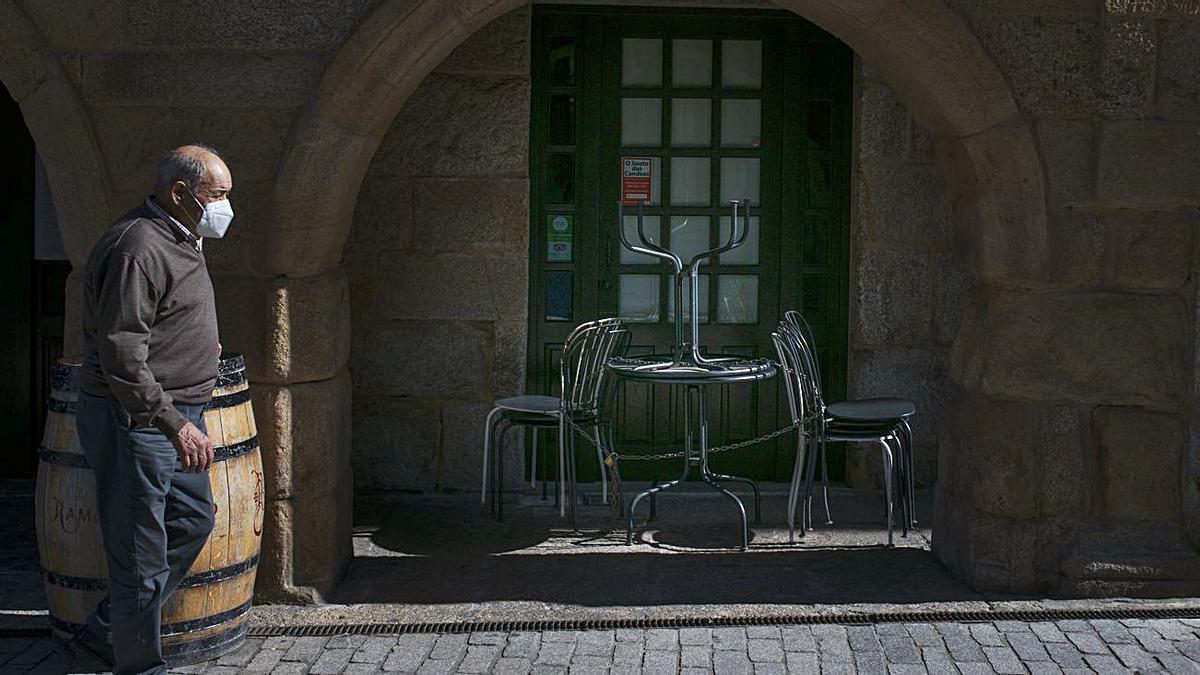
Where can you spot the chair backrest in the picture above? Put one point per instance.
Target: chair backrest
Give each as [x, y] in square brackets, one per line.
[797, 321]
[791, 374]
[585, 353]
[803, 374]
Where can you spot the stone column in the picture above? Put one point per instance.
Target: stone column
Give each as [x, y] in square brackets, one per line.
[295, 334]
[1063, 469]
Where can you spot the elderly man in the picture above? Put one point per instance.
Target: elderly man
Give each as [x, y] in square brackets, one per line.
[150, 364]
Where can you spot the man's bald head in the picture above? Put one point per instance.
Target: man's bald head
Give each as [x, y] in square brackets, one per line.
[190, 164]
[190, 177]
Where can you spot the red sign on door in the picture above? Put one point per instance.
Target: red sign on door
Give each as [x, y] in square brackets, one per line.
[635, 179]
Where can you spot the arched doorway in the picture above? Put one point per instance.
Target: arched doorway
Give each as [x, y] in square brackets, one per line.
[923, 50]
[58, 182]
[33, 270]
[61, 128]
[18, 418]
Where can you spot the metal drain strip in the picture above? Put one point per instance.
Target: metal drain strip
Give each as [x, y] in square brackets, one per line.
[844, 618]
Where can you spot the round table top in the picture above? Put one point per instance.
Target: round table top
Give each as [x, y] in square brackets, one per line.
[663, 368]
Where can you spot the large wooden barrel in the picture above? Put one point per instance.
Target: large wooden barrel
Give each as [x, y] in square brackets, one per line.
[206, 616]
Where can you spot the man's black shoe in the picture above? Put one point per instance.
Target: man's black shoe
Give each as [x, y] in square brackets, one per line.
[88, 643]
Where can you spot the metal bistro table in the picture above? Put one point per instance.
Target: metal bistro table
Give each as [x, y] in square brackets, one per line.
[688, 367]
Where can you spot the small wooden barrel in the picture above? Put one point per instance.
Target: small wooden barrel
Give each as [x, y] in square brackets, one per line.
[206, 616]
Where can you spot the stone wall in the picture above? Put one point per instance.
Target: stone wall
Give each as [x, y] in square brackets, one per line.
[1067, 131]
[149, 76]
[444, 208]
[1078, 382]
[908, 279]
[438, 266]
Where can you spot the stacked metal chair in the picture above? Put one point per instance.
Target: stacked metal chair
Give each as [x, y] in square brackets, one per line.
[877, 420]
[585, 390]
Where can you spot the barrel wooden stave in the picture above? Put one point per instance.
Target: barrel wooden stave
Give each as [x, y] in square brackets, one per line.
[69, 540]
[206, 616]
[238, 499]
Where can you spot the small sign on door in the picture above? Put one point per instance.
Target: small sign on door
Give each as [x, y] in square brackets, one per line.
[558, 238]
[635, 179]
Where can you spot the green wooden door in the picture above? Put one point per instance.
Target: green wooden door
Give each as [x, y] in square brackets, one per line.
[726, 105]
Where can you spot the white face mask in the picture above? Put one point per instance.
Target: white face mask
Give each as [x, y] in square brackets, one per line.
[215, 220]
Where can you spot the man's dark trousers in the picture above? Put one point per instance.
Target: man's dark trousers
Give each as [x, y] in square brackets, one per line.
[155, 519]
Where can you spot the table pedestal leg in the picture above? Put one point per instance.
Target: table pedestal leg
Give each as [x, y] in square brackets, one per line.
[696, 395]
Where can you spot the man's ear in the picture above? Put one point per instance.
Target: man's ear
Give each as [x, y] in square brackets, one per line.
[178, 192]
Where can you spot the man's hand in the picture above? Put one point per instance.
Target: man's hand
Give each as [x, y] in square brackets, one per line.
[194, 448]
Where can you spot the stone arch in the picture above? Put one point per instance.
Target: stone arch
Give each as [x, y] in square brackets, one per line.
[61, 128]
[362, 91]
[922, 48]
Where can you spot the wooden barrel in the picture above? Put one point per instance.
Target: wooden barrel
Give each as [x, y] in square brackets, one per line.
[206, 616]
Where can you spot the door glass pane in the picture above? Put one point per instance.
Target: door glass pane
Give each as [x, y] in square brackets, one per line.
[560, 188]
[737, 298]
[689, 236]
[558, 295]
[641, 63]
[739, 179]
[691, 122]
[559, 238]
[687, 300]
[747, 253]
[652, 226]
[690, 179]
[691, 63]
[741, 64]
[562, 60]
[741, 123]
[562, 120]
[639, 298]
[641, 121]
[656, 172]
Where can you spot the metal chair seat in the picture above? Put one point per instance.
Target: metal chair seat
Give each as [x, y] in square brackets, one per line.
[875, 420]
[842, 434]
[581, 374]
[531, 403]
[871, 410]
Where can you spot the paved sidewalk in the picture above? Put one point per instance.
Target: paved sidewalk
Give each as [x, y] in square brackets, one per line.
[442, 559]
[1106, 646]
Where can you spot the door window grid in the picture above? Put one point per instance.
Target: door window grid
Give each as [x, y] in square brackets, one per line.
[728, 90]
[560, 127]
[555, 25]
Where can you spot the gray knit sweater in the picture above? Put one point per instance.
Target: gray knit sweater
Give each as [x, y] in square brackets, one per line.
[149, 321]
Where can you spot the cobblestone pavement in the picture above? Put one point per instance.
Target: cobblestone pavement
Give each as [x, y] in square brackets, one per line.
[1105, 646]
